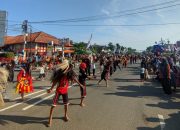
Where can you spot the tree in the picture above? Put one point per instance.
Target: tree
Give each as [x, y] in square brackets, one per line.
[122, 48]
[118, 46]
[131, 50]
[111, 46]
[149, 49]
[80, 47]
[96, 48]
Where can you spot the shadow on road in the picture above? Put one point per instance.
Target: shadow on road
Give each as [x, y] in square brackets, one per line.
[24, 119]
[172, 123]
[149, 89]
[146, 89]
[126, 80]
[153, 90]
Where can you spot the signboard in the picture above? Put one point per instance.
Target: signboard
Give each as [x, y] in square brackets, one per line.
[3, 23]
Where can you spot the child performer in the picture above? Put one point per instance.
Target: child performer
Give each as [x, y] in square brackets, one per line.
[61, 77]
[24, 79]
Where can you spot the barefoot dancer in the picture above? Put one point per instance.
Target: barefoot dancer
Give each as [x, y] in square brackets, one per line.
[61, 77]
[105, 73]
[82, 80]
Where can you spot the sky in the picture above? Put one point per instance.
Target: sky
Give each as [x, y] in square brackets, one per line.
[138, 37]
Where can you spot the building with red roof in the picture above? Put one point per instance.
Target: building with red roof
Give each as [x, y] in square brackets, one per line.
[36, 43]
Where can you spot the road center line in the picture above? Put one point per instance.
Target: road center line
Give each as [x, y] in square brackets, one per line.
[162, 123]
[25, 108]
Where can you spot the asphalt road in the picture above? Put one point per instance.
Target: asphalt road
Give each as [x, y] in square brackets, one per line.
[127, 104]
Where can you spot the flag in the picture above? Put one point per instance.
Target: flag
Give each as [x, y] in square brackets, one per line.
[115, 49]
[89, 42]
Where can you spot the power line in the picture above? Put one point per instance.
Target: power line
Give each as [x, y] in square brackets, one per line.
[128, 14]
[11, 21]
[123, 13]
[149, 24]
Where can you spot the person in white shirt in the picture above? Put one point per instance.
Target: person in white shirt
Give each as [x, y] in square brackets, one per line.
[41, 72]
[142, 71]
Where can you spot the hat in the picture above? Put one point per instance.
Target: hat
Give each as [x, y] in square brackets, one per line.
[83, 65]
[63, 66]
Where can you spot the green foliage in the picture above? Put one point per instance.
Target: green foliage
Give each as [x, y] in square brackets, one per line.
[80, 48]
[122, 48]
[118, 46]
[9, 55]
[130, 50]
[96, 48]
[149, 49]
[111, 46]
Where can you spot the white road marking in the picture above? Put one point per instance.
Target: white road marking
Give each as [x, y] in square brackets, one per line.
[72, 85]
[17, 104]
[25, 108]
[42, 100]
[31, 94]
[162, 123]
[10, 107]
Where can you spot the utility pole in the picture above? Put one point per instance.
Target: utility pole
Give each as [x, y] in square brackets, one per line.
[25, 28]
[30, 42]
[63, 42]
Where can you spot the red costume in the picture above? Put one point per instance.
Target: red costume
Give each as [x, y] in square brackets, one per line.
[62, 89]
[24, 84]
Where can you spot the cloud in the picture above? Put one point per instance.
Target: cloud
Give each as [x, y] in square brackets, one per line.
[105, 12]
[142, 36]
